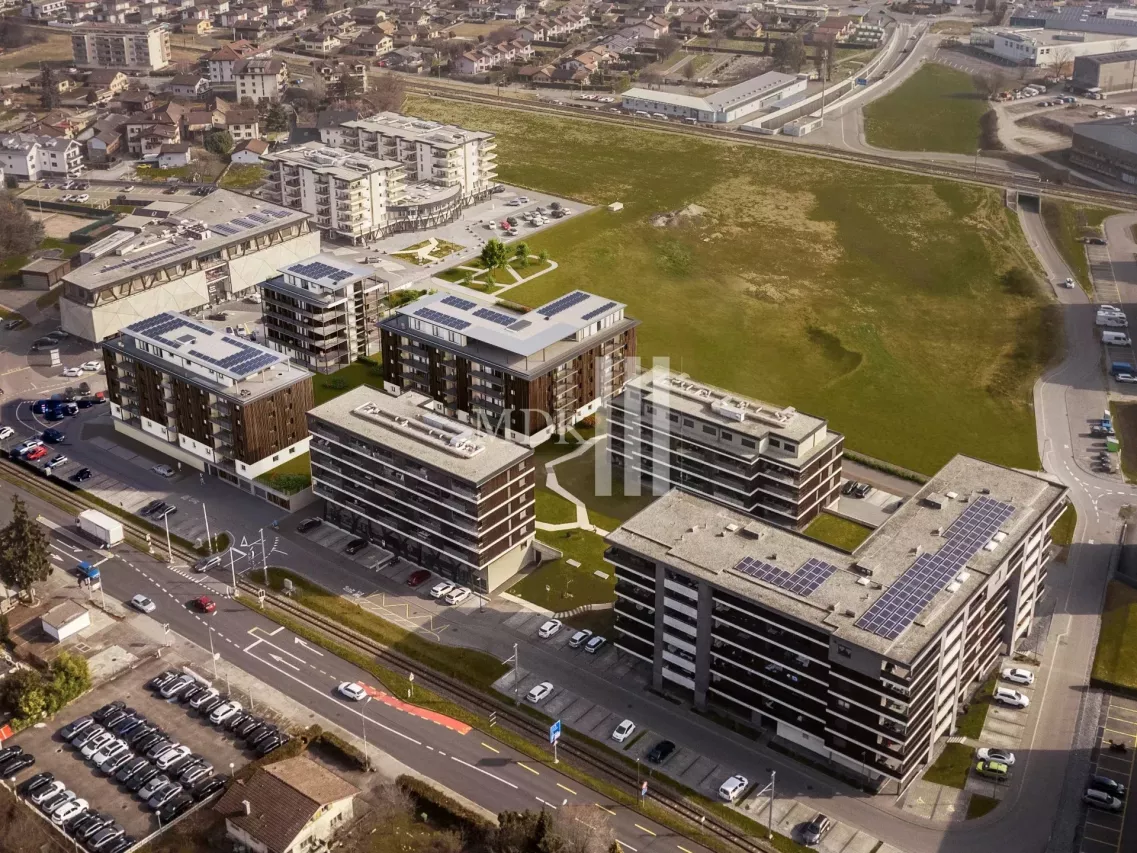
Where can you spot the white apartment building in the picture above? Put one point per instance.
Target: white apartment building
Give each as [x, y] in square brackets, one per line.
[221, 64]
[347, 194]
[137, 47]
[261, 79]
[215, 250]
[43, 10]
[28, 157]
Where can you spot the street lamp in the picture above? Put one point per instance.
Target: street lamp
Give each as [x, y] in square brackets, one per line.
[208, 538]
[169, 547]
[212, 654]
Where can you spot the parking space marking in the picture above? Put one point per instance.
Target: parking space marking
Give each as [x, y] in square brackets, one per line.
[684, 849]
[490, 748]
[545, 803]
[644, 829]
[527, 767]
[626, 846]
[605, 808]
[566, 788]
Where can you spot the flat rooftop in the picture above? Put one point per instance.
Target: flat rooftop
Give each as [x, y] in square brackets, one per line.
[221, 219]
[419, 130]
[1055, 37]
[328, 271]
[768, 564]
[521, 342]
[723, 100]
[409, 424]
[337, 162]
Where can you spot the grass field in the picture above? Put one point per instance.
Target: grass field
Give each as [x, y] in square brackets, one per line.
[936, 109]
[328, 387]
[558, 586]
[838, 532]
[1062, 533]
[244, 177]
[861, 295]
[607, 512]
[971, 722]
[1125, 423]
[1115, 661]
[1066, 222]
[56, 50]
[952, 767]
[289, 477]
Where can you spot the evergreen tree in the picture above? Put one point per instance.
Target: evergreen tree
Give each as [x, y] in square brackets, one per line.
[49, 96]
[24, 555]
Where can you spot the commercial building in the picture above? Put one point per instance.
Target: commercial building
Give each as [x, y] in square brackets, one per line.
[347, 194]
[428, 488]
[771, 462]
[1098, 18]
[730, 104]
[525, 376]
[1057, 49]
[29, 157]
[323, 312]
[134, 47]
[862, 660]
[212, 251]
[1110, 72]
[1108, 146]
[208, 399]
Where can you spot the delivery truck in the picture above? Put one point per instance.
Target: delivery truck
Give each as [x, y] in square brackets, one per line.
[1115, 339]
[101, 527]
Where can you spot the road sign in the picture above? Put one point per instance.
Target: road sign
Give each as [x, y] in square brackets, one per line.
[862, 81]
[555, 732]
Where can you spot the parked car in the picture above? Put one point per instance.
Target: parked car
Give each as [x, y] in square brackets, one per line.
[224, 712]
[75, 726]
[29, 786]
[732, 788]
[623, 731]
[1108, 786]
[849, 487]
[176, 686]
[457, 595]
[1003, 756]
[207, 787]
[141, 778]
[539, 693]
[816, 829]
[308, 524]
[355, 545]
[440, 589]
[1013, 698]
[594, 645]
[82, 475]
[17, 763]
[993, 770]
[1101, 800]
[141, 602]
[272, 742]
[549, 628]
[174, 753]
[418, 578]
[1018, 675]
[579, 638]
[661, 752]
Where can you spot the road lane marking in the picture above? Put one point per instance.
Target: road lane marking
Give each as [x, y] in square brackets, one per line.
[605, 808]
[644, 828]
[480, 770]
[626, 846]
[545, 803]
[566, 788]
[684, 849]
[530, 769]
[490, 748]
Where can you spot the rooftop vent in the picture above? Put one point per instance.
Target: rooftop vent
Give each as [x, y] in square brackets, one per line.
[851, 613]
[863, 569]
[934, 500]
[863, 582]
[951, 496]
[732, 527]
[753, 530]
[953, 587]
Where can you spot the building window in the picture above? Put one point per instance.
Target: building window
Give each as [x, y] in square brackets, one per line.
[276, 458]
[687, 422]
[775, 443]
[709, 430]
[747, 442]
[726, 436]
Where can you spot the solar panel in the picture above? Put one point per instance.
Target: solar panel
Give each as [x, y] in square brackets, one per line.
[258, 217]
[317, 270]
[459, 302]
[596, 312]
[562, 304]
[902, 602]
[279, 214]
[227, 230]
[441, 319]
[494, 316]
[244, 223]
[812, 574]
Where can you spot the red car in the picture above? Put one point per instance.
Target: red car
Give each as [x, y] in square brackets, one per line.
[36, 453]
[418, 578]
[204, 604]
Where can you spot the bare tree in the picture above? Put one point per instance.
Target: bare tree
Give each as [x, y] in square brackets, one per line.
[667, 45]
[582, 829]
[387, 93]
[501, 34]
[649, 78]
[1062, 62]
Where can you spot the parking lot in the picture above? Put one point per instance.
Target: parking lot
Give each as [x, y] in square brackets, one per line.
[1103, 831]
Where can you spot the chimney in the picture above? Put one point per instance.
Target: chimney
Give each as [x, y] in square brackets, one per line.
[248, 807]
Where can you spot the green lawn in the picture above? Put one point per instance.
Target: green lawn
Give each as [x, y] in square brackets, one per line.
[244, 177]
[865, 296]
[936, 109]
[558, 586]
[328, 387]
[1115, 661]
[1125, 423]
[1062, 533]
[838, 532]
[952, 767]
[290, 477]
[971, 722]
[1066, 223]
[578, 477]
[551, 507]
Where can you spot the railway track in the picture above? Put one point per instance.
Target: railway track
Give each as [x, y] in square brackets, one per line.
[587, 757]
[999, 178]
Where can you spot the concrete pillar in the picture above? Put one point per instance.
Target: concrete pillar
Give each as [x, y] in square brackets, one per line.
[657, 652]
[703, 646]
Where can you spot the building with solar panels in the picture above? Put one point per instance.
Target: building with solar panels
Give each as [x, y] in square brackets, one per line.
[524, 376]
[213, 251]
[863, 660]
[427, 487]
[210, 400]
[771, 462]
[323, 312]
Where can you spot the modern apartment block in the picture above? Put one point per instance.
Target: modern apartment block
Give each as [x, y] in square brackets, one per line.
[863, 659]
[134, 47]
[323, 312]
[26, 156]
[430, 489]
[774, 463]
[347, 194]
[208, 399]
[212, 251]
[524, 376]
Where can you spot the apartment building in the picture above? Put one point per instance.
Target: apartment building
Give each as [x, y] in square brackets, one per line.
[774, 463]
[134, 47]
[427, 488]
[221, 64]
[347, 194]
[524, 376]
[861, 660]
[209, 400]
[261, 79]
[215, 250]
[29, 157]
[323, 312]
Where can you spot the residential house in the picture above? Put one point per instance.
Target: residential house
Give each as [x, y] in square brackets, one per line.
[221, 62]
[832, 30]
[110, 79]
[199, 27]
[233, 17]
[409, 58]
[321, 44]
[104, 147]
[136, 100]
[372, 44]
[329, 126]
[532, 30]
[662, 8]
[254, 29]
[488, 57]
[44, 10]
[28, 157]
[147, 132]
[412, 18]
[345, 29]
[189, 85]
[694, 23]
[652, 28]
[334, 72]
[241, 124]
[747, 27]
[261, 79]
[368, 16]
[537, 73]
[249, 152]
[512, 10]
[174, 155]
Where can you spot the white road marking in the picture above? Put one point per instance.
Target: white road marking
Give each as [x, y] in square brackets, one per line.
[480, 770]
[306, 646]
[543, 802]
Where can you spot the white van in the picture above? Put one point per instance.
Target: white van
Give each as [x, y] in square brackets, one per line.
[1116, 339]
[1116, 321]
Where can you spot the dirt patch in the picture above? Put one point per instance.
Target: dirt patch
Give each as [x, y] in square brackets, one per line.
[58, 225]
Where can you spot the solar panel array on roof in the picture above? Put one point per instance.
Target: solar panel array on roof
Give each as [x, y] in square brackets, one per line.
[258, 217]
[812, 574]
[596, 312]
[318, 269]
[442, 319]
[165, 254]
[159, 326]
[910, 593]
[459, 303]
[495, 316]
[563, 304]
[245, 361]
[279, 214]
[244, 223]
[227, 230]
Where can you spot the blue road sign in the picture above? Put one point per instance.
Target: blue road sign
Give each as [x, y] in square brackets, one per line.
[862, 81]
[555, 732]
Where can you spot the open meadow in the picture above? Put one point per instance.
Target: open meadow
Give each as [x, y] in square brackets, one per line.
[936, 109]
[873, 298]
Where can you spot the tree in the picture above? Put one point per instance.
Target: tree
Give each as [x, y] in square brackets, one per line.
[516, 833]
[467, 278]
[350, 86]
[583, 829]
[49, 94]
[24, 554]
[494, 255]
[19, 233]
[980, 6]
[543, 256]
[521, 252]
[688, 70]
[648, 78]
[1061, 64]
[70, 679]
[667, 44]
[789, 54]
[387, 93]
[501, 34]
[276, 121]
[219, 142]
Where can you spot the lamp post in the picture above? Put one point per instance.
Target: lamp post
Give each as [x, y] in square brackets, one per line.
[169, 547]
[208, 538]
[212, 654]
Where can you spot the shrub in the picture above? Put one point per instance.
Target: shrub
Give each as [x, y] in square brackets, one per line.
[346, 752]
[446, 811]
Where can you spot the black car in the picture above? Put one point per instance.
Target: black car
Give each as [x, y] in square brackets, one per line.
[92, 822]
[1107, 785]
[129, 725]
[29, 786]
[102, 839]
[75, 726]
[355, 545]
[862, 491]
[151, 507]
[82, 475]
[10, 752]
[661, 752]
[163, 678]
[76, 823]
[117, 717]
[101, 715]
[124, 843]
[206, 707]
[145, 743]
[236, 720]
[175, 807]
[246, 727]
[182, 765]
[259, 735]
[130, 768]
[52, 436]
[273, 742]
[141, 778]
[14, 765]
[308, 524]
[143, 731]
[190, 692]
[849, 486]
[208, 786]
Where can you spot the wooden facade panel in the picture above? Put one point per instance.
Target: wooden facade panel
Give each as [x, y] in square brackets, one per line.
[271, 423]
[151, 403]
[191, 408]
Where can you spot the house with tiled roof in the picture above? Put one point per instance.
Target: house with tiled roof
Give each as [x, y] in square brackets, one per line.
[222, 62]
[287, 807]
[249, 152]
[188, 85]
[372, 44]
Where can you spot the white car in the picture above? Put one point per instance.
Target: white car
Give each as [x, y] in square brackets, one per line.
[523, 199]
[128, 188]
[91, 366]
[28, 444]
[579, 638]
[163, 471]
[82, 197]
[540, 692]
[52, 789]
[96, 743]
[67, 811]
[441, 589]
[174, 753]
[110, 750]
[1018, 675]
[73, 372]
[6, 432]
[623, 731]
[549, 628]
[457, 595]
[352, 691]
[141, 602]
[1011, 697]
[732, 788]
[1003, 756]
[223, 712]
[1069, 283]
[1127, 378]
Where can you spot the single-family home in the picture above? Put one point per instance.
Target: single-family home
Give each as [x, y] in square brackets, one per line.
[372, 44]
[174, 155]
[512, 10]
[188, 86]
[241, 124]
[694, 23]
[110, 79]
[652, 28]
[249, 152]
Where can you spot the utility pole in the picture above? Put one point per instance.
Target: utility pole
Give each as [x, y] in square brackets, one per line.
[233, 569]
[169, 547]
[264, 555]
[212, 654]
[208, 538]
